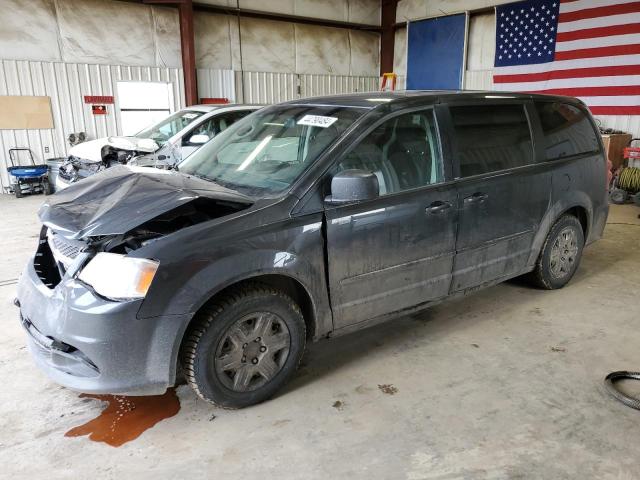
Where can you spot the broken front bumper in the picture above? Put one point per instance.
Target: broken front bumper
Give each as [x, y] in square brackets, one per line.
[94, 345]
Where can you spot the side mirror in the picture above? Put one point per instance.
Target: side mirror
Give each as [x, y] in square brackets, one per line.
[199, 139]
[352, 186]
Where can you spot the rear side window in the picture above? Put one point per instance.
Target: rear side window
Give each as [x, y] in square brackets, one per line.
[491, 138]
[567, 130]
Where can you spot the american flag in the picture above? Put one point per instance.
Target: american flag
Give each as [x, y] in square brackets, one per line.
[588, 49]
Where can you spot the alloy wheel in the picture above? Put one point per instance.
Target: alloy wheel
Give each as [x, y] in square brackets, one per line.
[564, 253]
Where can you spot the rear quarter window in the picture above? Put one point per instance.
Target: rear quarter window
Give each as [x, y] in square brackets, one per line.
[491, 138]
[567, 130]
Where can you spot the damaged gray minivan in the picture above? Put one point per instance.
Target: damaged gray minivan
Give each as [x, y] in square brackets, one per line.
[302, 221]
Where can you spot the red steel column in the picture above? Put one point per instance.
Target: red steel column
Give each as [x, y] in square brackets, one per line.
[185, 7]
[387, 39]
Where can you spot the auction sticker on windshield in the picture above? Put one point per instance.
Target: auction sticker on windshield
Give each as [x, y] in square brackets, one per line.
[317, 121]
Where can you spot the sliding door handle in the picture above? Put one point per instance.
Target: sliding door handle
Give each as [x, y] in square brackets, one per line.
[477, 197]
[437, 207]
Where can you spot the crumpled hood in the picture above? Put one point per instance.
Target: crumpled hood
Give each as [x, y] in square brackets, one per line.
[120, 198]
[92, 149]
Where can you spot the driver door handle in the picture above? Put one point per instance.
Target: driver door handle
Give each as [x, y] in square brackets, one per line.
[477, 197]
[437, 207]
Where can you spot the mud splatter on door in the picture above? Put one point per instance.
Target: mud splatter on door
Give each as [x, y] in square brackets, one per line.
[126, 418]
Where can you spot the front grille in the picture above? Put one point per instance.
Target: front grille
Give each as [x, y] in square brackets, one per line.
[64, 250]
[44, 263]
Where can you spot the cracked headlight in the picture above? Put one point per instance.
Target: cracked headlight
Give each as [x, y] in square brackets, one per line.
[119, 277]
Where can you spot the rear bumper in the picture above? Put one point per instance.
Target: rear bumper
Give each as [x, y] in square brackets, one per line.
[97, 346]
[599, 222]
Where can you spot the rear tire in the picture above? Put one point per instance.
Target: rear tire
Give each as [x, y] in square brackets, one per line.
[243, 347]
[46, 188]
[560, 255]
[18, 191]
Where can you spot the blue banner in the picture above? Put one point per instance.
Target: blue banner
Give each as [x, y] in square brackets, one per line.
[435, 53]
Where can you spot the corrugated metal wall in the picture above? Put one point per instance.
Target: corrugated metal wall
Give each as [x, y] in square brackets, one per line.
[216, 83]
[314, 85]
[478, 80]
[626, 123]
[268, 87]
[66, 84]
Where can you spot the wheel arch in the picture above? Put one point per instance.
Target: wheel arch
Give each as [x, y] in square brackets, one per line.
[581, 213]
[283, 282]
[289, 284]
[577, 205]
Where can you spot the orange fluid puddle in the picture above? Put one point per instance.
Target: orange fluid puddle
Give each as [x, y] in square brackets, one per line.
[126, 418]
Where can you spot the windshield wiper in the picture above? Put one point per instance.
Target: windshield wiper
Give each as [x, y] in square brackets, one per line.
[201, 177]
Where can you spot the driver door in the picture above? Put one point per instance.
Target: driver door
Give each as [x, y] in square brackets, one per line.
[395, 251]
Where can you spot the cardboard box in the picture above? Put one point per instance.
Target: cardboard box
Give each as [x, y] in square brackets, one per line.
[614, 147]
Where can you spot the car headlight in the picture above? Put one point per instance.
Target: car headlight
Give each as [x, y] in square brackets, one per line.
[119, 277]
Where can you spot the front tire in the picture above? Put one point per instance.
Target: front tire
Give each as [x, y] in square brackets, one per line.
[560, 255]
[243, 347]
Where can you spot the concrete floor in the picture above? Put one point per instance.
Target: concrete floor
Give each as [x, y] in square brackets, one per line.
[506, 383]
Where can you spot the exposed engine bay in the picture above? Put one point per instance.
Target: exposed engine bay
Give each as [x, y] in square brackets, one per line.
[196, 211]
[57, 252]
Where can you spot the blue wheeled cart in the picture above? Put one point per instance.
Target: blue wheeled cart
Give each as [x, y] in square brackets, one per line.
[27, 179]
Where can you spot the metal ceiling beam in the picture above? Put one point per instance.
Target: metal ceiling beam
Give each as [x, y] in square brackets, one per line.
[283, 17]
[278, 17]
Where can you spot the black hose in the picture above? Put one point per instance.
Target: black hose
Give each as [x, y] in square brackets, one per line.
[609, 383]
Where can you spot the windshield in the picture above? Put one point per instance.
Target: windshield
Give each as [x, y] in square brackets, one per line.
[161, 132]
[267, 151]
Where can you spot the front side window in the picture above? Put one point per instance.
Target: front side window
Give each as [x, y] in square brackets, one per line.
[403, 152]
[266, 152]
[162, 131]
[490, 138]
[567, 130]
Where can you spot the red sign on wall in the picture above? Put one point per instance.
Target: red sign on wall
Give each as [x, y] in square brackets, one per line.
[99, 109]
[98, 99]
[213, 101]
